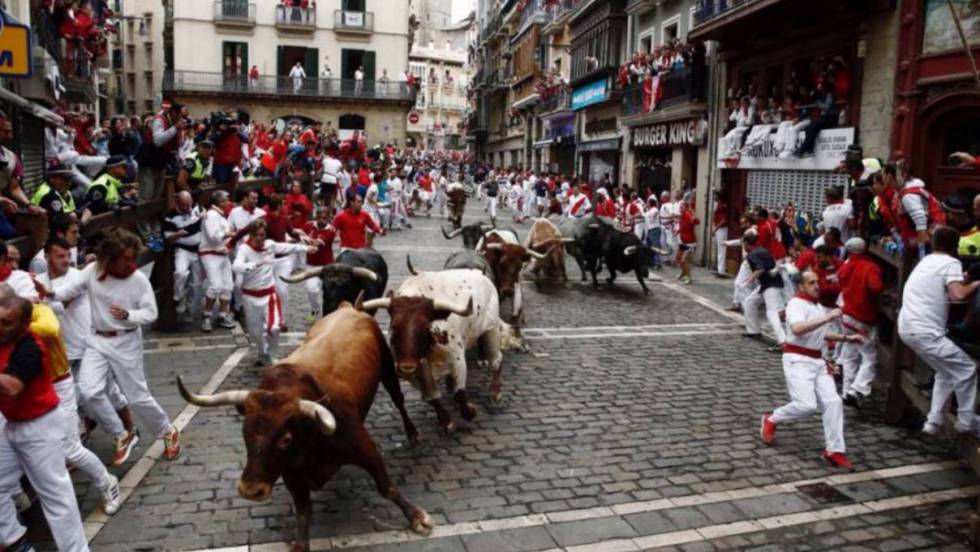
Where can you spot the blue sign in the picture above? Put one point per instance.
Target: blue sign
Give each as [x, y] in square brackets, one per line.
[590, 94]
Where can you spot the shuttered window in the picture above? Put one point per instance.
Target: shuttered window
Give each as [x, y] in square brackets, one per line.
[774, 189]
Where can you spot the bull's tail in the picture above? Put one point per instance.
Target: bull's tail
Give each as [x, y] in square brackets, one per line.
[510, 338]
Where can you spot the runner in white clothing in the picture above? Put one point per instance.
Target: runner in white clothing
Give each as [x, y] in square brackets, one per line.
[215, 231]
[255, 264]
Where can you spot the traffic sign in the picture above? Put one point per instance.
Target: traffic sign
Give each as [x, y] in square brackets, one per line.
[414, 118]
[15, 50]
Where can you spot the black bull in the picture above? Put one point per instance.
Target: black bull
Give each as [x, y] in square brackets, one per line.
[598, 242]
[354, 271]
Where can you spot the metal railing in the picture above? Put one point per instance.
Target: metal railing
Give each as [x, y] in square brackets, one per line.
[686, 85]
[558, 10]
[294, 16]
[534, 10]
[234, 11]
[556, 101]
[309, 87]
[710, 9]
[353, 20]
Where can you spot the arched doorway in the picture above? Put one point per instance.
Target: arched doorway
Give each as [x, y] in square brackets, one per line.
[949, 123]
[349, 123]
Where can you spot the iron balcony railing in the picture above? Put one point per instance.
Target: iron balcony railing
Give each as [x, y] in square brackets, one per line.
[533, 11]
[559, 9]
[234, 11]
[294, 16]
[710, 9]
[308, 87]
[353, 20]
[555, 101]
[686, 85]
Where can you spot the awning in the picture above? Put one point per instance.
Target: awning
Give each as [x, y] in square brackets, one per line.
[36, 109]
[543, 144]
[611, 144]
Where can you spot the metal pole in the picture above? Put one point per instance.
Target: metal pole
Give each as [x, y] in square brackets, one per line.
[966, 45]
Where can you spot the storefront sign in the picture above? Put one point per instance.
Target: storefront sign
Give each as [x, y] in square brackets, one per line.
[691, 132]
[15, 50]
[558, 127]
[590, 94]
[598, 145]
[828, 154]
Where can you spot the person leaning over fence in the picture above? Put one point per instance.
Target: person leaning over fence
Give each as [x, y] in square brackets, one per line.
[937, 280]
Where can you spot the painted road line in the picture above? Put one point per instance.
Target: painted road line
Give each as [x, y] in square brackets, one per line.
[95, 521]
[187, 349]
[468, 528]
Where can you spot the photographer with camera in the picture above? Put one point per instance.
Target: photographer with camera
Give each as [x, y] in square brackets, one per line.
[227, 135]
[162, 137]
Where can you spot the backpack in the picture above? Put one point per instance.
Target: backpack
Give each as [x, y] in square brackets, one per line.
[933, 208]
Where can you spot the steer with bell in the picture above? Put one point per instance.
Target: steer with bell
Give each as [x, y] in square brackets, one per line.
[435, 318]
[355, 271]
[306, 418]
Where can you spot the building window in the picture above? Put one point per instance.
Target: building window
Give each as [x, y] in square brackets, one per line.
[690, 19]
[353, 5]
[148, 106]
[234, 58]
[117, 58]
[351, 60]
[647, 41]
[671, 29]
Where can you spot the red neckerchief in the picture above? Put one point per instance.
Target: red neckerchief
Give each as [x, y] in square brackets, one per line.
[247, 210]
[805, 297]
[252, 245]
[5, 271]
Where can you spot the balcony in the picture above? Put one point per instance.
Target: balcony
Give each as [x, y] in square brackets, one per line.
[231, 13]
[353, 22]
[296, 19]
[686, 86]
[640, 7]
[557, 15]
[533, 13]
[713, 17]
[554, 101]
[276, 87]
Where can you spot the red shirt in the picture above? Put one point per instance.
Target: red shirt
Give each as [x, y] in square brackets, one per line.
[686, 227]
[353, 228]
[364, 177]
[425, 183]
[769, 237]
[720, 217]
[828, 290]
[323, 255]
[228, 150]
[606, 208]
[299, 208]
[275, 155]
[861, 284]
[278, 227]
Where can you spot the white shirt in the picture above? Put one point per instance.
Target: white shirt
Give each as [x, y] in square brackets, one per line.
[22, 284]
[331, 170]
[651, 218]
[395, 187]
[925, 299]
[835, 216]
[579, 205]
[668, 215]
[800, 310]
[258, 267]
[135, 294]
[215, 229]
[76, 317]
[358, 75]
[297, 72]
[240, 218]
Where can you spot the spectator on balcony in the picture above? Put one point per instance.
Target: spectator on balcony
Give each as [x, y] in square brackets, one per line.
[742, 115]
[298, 74]
[253, 77]
[788, 131]
[768, 123]
[827, 116]
[358, 81]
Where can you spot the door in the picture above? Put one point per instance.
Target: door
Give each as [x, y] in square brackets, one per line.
[234, 60]
[312, 67]
[353, 5]
[288, 56]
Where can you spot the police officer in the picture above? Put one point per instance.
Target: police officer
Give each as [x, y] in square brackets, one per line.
[196, 167]
[103, 192]
[54, 196]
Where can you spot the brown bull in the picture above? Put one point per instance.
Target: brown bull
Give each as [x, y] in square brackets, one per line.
[507, 260]
[545, 238]
[456, 203]
[306, 419]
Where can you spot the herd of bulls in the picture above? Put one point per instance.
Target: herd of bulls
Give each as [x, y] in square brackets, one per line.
[306, 418]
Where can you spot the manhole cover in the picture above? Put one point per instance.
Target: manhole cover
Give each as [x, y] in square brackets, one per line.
[824, 493]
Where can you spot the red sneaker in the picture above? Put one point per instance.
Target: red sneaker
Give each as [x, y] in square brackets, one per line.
[838, 459]
[768, 430]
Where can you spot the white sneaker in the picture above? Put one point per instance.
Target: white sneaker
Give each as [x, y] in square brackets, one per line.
[226, 321]
[207, 325]
[931, 429]
[111, 498]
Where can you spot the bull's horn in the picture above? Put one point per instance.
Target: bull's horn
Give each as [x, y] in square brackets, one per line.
[443, 306]
[375, 304]
[486, 227]
[452, 235]
[226, 398]
[359, 302]
[411, 269]
[319, 413]
[631, 250]
[568, 240]
[594, 225]
[305, 275]
[495, 246]
[361, 272]
[480, 245]
[540, 256]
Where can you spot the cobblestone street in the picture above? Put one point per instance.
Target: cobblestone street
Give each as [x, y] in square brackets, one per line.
[631, 424]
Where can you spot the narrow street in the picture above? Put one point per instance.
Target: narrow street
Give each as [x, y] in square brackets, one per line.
[631, 424]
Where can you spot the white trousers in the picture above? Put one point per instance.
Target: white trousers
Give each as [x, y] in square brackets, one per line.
[742, 288]
[772, 299]
[188, 270]
[284, 267]
[122, 358]
[399, 214]
[491, 207]
[76, 454]
[264, 321]
[34, 449]
[759, 134]
[439, 201]
[115, 396]
[314, 294]
[812, 390]
[221, 281]
[859, 359]
[956, 373]
[788, 134]
[730, 142]
[721, 236]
